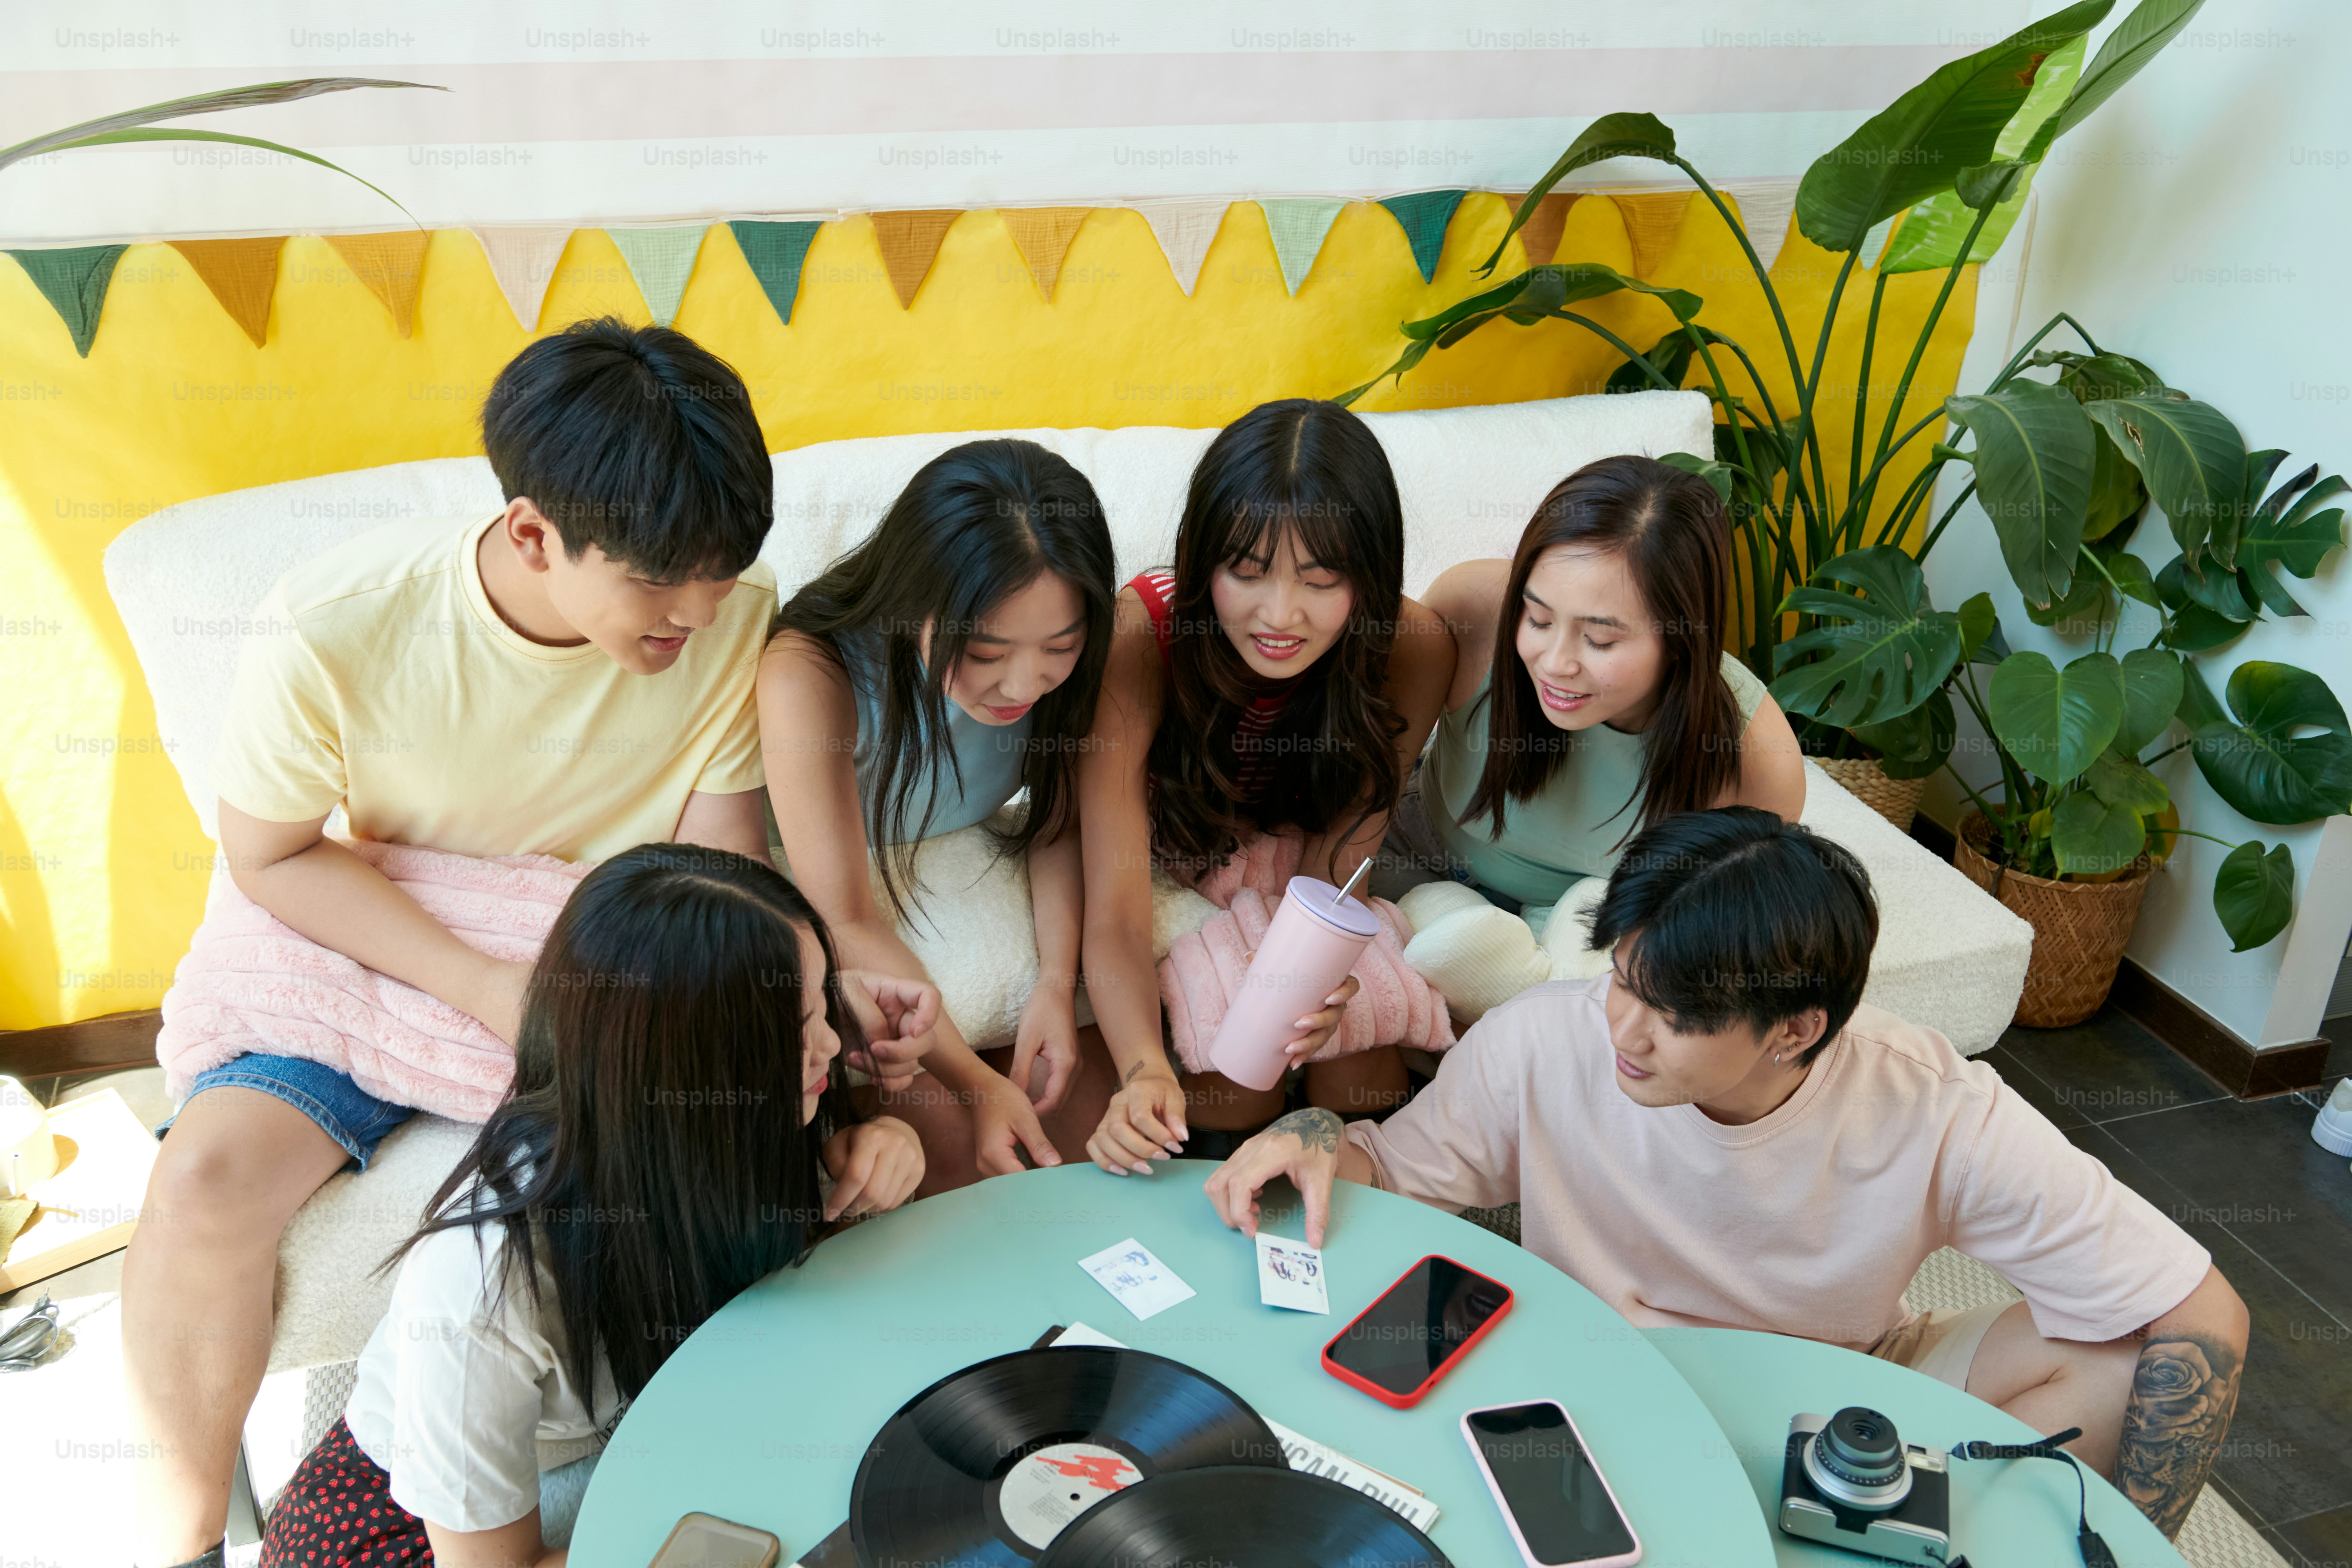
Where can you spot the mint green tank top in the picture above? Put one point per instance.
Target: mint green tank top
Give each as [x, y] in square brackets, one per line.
[1575, 827]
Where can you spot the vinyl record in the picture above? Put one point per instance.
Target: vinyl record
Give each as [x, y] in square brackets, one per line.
[1267, 1518]
[984, 1468]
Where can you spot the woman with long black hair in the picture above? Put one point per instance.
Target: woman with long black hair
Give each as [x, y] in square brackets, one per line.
[915, 687]
[679, 1127]
[1275, 680]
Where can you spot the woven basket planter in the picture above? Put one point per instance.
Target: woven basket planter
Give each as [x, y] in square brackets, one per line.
[1898, 800]
[2079, 928]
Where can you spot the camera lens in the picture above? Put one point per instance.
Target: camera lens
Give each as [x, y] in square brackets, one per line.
[1858, 1459]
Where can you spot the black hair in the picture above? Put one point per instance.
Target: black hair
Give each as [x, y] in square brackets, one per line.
[651, 1154]
[1669, 528]
[976, 525]
[637, 440]
[1315, 472]
[1737, 915]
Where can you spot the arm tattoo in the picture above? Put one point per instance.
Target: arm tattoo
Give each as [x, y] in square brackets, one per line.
[2183, 1394]
[1314, 1127]
[1132, 1073]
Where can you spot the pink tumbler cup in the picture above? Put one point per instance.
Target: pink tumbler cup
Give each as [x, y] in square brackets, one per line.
[1309, 947]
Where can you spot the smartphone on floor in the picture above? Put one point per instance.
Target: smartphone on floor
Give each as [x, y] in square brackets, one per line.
[1399, 1347]
[1560, 1508]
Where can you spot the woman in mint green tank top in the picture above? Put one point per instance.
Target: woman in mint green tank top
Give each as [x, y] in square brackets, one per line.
[1592, 695]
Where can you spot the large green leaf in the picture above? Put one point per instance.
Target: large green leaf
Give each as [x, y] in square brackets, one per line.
[1932, 232]
[2194, 463]
[2091, 837]
[1630, 135]
[2299, 539]
[2136, 41]
[2152, 687]
[2253, 894]
[2055, 722]
[2254, 757]
[2117, 495]
[1867, 659]
[2033, 457]
[1979, 620]
[2191, 627]
[1919, 144]
[2131, 574]
[1916, 743]
[2119, 780]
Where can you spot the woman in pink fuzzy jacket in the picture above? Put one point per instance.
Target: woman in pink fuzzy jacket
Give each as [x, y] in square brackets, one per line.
[1274, 682]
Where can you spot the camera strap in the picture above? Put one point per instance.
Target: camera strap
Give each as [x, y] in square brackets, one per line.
[2096, 1553]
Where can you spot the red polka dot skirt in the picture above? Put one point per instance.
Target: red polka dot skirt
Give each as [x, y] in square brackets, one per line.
[338, 1512]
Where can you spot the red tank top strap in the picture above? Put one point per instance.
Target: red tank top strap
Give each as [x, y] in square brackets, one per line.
[1157, 589]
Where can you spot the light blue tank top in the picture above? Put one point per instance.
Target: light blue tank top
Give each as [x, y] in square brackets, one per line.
[989, 756]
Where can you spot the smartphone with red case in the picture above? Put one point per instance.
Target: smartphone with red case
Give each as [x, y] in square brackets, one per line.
[1399, 1347]
[1561, 1510]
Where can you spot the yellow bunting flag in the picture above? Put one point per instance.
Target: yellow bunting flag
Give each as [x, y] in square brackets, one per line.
[910, 243]
[242, 275]
[1541, 234]
[1044, 235]
[1652, 220]
[391, 265]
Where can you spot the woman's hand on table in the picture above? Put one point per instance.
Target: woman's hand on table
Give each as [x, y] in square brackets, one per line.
[1145, 1120]
[1306, 1146]
[1048, 1033]
[876, 1165]
[896, 1017]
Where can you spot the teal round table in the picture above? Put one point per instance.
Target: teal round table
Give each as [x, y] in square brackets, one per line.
[2005, 1513]
[762, 1415]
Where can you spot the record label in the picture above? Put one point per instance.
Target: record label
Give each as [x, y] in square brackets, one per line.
[1045, 1490]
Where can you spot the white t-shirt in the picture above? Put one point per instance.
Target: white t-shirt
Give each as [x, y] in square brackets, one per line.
[1807, 1222]
[464, 1406]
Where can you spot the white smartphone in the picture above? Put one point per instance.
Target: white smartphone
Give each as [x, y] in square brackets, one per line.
[1559, 1507]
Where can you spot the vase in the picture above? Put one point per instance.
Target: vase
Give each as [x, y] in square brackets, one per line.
[2079, 928]
[1898, 800]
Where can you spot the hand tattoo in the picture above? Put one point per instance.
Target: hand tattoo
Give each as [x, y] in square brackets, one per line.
[1314, 1127]
[2184, 1392]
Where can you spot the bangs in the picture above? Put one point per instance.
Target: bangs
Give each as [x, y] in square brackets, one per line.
[1327, 533]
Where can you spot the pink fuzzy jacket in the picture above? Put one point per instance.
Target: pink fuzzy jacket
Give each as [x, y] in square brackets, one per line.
[1395, 1006]
[250, 983]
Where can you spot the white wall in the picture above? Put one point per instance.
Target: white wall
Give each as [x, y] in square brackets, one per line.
[2198, 222]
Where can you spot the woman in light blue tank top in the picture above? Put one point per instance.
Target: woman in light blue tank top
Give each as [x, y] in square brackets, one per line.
[1592, 695]
[923, 681]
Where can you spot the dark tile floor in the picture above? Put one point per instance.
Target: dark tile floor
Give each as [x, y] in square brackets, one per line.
[2275, 1211]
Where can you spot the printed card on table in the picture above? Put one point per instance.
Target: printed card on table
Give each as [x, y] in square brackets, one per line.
[1290, 1274]
[1142, 1283]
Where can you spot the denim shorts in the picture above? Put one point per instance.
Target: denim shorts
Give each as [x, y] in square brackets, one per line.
[343, 1110]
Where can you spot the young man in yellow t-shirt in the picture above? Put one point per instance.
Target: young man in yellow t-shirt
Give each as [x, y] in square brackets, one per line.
[569, 676]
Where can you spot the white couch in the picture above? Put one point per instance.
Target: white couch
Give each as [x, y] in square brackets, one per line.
[183, 579]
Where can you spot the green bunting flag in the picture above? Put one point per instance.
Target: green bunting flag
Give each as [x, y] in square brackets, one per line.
[1298, 224]
[74, 283]
[661, 259]
[774, 252]
[1424, 216]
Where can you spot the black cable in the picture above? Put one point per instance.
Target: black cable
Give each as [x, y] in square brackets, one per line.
[2095, 1552]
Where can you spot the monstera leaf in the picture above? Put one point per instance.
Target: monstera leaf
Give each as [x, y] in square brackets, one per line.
[2254, 756]
[2254, 892]
[1918, 743]
[1866, 659]
[2035, 450]
[2091, 837]
[2189, 627]
[1610, 136]
[2298, 538]
[1919, 144]
[2152, 686]
[2055, 722]
[2193, 462]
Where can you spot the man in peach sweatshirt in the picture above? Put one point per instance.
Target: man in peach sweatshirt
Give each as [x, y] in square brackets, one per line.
[1721, 1132]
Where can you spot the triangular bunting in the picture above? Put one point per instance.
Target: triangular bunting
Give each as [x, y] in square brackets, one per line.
[523, 260]
[1424, 216]
[74, 283]
[1764, 210]
[1298, 224]
[1044, 235]
[1652, 220]
[774, 252]
[242, 275]
[910, 242]
[1541, 234]
[1184, 229]
[391, 265]
[661, 259]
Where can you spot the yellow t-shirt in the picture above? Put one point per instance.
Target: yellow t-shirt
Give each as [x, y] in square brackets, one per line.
[384, 681]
